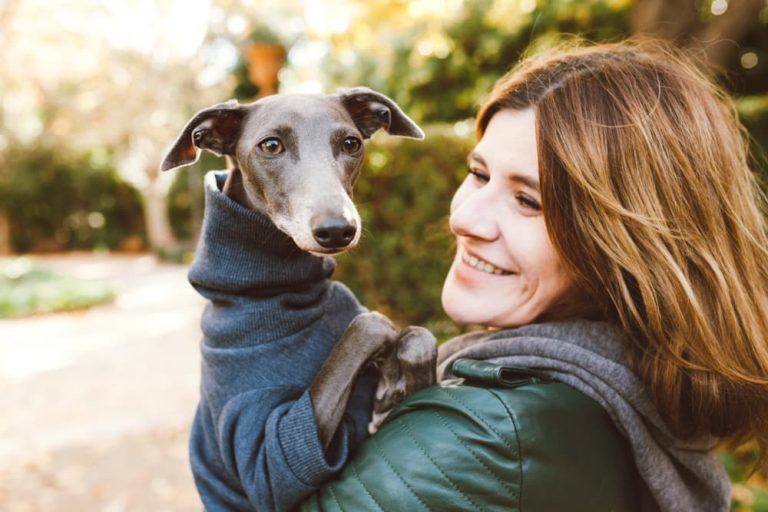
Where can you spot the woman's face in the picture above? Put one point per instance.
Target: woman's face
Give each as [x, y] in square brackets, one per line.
[506, 272]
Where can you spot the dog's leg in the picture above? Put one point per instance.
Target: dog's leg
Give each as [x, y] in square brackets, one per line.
[404, 371]
[367, 335]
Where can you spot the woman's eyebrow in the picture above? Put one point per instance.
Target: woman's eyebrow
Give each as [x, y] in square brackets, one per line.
[474, 156]
[529, 182]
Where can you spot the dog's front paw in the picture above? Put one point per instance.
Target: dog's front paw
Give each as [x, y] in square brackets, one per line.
[404, 371]
[417, 357]
[374, 329]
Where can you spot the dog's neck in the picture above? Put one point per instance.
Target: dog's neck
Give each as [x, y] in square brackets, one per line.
[234, 188]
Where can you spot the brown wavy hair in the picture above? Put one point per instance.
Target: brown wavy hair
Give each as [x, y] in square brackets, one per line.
[649, 198]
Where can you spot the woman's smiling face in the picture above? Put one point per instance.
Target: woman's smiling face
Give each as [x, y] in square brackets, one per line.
[506, 272]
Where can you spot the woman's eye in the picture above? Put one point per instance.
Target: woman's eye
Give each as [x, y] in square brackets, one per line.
[528, 202]
[351, 145]
[479, 176]
[272, 146]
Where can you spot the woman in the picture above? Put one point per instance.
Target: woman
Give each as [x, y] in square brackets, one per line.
[610, 232]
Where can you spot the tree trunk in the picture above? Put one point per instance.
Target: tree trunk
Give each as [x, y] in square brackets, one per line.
[666, 19]
[680, 22]
[719, 39]
[5, 234]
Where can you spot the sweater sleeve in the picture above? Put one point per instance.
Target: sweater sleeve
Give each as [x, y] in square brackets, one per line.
[273, 448]
[272, 318]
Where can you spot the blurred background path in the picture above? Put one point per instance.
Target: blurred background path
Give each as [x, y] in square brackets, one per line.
[96, 405]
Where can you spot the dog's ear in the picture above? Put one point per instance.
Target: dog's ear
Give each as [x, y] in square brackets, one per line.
[216, 129]
[371, 110]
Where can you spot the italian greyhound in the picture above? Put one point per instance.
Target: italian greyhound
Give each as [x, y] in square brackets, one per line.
[295, 160]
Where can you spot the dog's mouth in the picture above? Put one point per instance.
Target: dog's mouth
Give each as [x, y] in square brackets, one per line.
[315, 249]
[319, 246]
[329, 252]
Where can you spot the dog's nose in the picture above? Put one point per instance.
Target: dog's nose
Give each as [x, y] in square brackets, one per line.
[334, 232]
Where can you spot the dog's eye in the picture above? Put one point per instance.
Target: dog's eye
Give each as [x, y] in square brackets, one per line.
[351, 145]
[272, 146]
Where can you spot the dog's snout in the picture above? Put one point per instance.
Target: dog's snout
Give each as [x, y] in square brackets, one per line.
[333, 232]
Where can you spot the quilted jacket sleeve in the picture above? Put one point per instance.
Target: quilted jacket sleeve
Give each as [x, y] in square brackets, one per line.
[538, 447]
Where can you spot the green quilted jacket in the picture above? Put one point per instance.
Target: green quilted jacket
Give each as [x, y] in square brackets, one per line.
[498, 439]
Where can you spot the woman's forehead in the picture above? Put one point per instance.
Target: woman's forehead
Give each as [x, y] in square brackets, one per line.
[509, 144]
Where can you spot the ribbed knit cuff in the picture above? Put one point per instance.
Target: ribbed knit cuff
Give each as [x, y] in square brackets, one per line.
[302, 448]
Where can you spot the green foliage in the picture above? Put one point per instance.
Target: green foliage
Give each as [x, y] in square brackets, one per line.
[27, 288]
[750, 489]
[55, 201]
[440, 74]
[484, 47]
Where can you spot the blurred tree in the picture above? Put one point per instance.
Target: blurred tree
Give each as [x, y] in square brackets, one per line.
[121, 78]
[256, 73]
[441, 58]
[490, 37]
[6, 12]
[103, 82]
[712, 29]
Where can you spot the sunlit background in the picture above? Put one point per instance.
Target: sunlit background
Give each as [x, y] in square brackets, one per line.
[98, 327]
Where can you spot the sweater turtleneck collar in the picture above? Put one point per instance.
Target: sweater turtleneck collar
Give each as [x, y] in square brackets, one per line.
[233, 235]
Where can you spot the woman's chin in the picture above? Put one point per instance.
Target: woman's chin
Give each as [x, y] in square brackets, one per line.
[458, 316]
[461, 310]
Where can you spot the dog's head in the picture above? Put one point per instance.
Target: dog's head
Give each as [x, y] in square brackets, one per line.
[299, 156]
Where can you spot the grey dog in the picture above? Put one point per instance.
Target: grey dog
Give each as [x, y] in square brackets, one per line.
[295, 159]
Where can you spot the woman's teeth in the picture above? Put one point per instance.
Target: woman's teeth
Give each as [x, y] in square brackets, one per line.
[482, 265]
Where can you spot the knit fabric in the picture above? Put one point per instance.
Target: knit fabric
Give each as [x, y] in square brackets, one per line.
[272, 318]
[590, 357]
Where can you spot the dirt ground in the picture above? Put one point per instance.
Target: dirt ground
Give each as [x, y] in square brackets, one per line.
[96, 405]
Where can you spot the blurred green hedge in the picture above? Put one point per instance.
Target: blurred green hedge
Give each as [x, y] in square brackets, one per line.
[55, 201]
[403, 196]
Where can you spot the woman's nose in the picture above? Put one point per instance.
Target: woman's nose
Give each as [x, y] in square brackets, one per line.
[472, 214]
